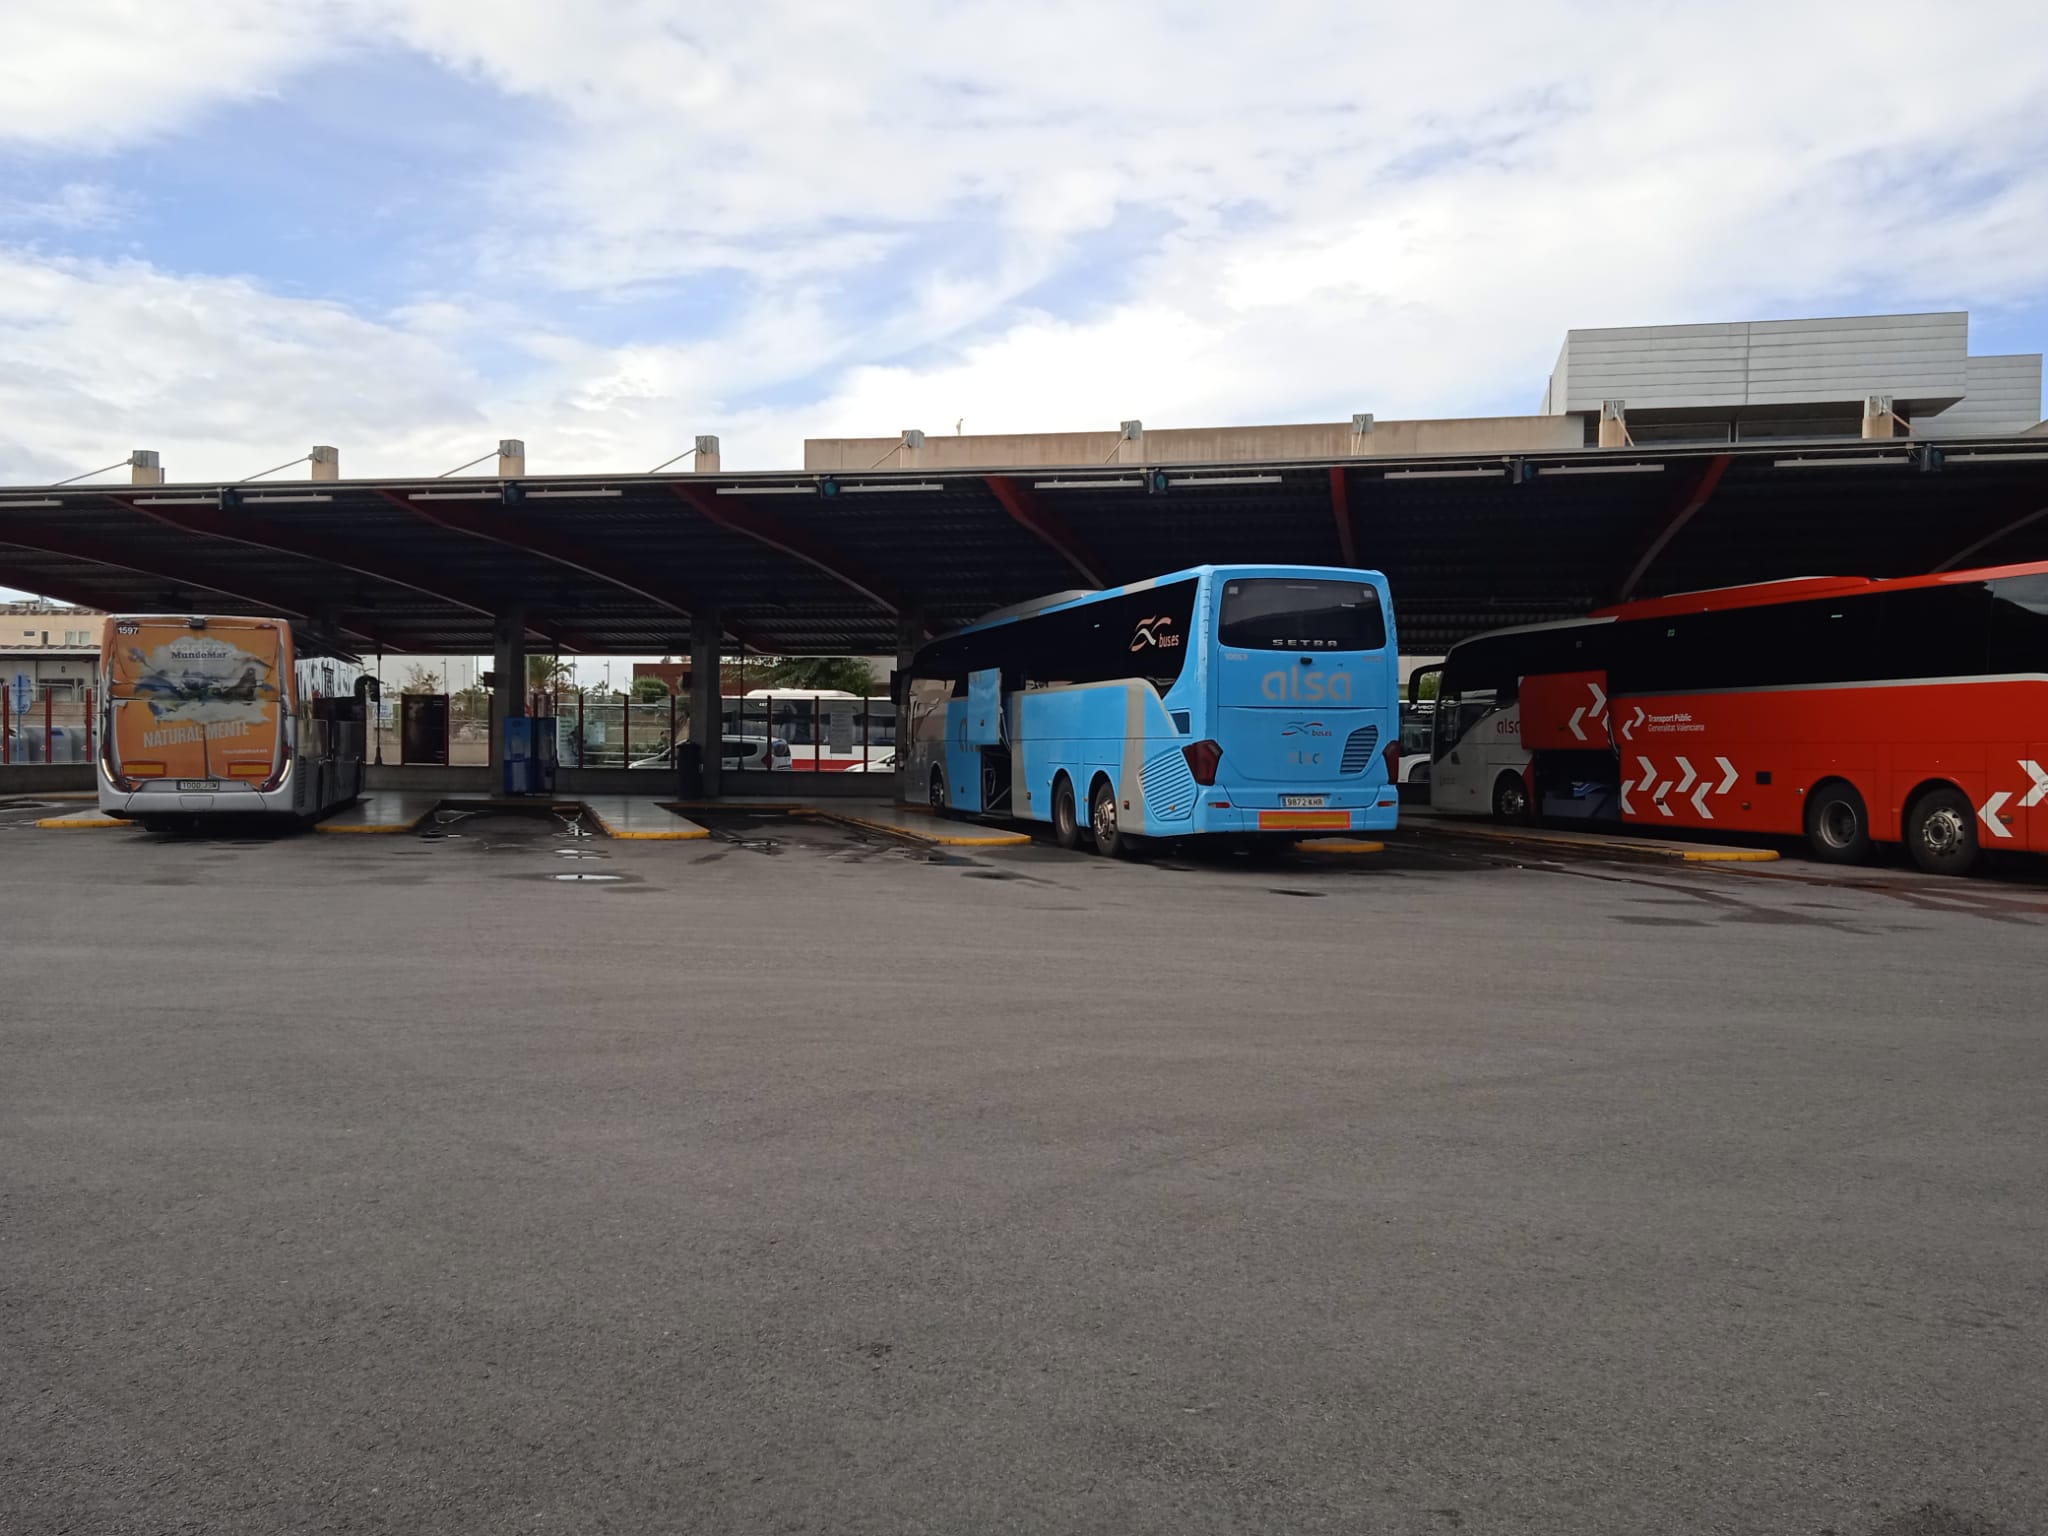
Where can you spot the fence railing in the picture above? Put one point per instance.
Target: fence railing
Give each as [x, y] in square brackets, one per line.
[598, 729]
[45, 726]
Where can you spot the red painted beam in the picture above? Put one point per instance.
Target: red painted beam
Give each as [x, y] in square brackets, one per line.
[764, 527]
[1690, 502]
[1340, 509]
[71, 546]
[2010, 519]
[1048, 527]
[262, 533]
[502, 528]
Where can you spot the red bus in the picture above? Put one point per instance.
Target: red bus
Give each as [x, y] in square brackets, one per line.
[1845, 710]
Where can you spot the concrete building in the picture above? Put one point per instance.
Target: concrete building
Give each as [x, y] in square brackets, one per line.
[45, 648]
[1750, 380]
[1360, 437]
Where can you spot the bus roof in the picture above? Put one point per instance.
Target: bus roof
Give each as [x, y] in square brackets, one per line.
[1796, 589]
[1058, 600]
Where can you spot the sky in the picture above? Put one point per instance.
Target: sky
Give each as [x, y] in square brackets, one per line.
[230, 229]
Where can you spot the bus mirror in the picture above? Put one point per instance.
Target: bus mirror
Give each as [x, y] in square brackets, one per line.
[1415, 682]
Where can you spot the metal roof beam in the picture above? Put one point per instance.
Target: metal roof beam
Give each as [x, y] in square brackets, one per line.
[258, 533]
[498, 528]
[70, 546]
[2010, 519]
[765, 527]
[1052, 530]
[1690, 502]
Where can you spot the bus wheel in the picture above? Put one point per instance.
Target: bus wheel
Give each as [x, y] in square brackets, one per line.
[1102, 822]
[1837, 825]
[1510, 798]
[1941, 831]
[1066, 825]
[938, 789]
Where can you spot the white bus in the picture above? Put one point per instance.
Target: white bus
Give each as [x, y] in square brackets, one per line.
[209, 715]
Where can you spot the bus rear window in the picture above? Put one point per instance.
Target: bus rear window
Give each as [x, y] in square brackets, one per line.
[1277, 613]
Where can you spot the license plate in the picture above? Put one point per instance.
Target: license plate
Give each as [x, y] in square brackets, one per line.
[1304, 802]
[199, 783]
[1304, 821]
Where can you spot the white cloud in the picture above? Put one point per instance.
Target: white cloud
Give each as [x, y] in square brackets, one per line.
[96, 74]
[75, 206]
[1033, 217]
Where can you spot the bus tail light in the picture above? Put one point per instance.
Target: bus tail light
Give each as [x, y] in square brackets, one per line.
[1203, 758]
[1393, 757]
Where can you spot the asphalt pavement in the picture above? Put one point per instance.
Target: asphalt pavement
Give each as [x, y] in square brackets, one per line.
[502, 1179]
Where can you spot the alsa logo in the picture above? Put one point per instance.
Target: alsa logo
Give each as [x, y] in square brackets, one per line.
[1291, 685]
[1307, 728]
[1156, 632]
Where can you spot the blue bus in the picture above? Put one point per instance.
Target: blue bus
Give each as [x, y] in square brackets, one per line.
[1259, 702]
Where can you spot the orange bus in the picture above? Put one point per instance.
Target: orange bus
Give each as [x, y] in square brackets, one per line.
[1846, 710]
[207, 715]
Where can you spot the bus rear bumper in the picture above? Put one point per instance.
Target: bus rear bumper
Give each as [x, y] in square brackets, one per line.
[1330, 821]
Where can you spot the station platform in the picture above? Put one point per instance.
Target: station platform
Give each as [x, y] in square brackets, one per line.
[630, 818]
[1424, 823]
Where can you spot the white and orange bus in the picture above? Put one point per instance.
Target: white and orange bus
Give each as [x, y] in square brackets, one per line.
[209, 715]
[1845, 710]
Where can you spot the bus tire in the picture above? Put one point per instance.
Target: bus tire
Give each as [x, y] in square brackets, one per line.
[1110, 841]
[1066, 822]
[1837, 825]
[1941, 831]
[938, 790]
[1510, 798]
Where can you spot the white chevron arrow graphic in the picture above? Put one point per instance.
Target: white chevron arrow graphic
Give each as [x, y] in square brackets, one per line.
[1663, 790]
[1699, 799]
[1628, 732]
[1578, 715]
[1685, 783]
[2040, 790]
[1649, 774]
[1729, 776]
[1988, 813]
[1626, 808]
[1599, 701]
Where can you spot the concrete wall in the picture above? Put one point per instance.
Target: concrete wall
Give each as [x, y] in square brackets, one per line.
[1917, 359]
[2004, 398]
[1195, 445]
[44, 778]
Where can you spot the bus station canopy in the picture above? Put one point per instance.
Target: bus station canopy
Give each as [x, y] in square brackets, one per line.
[799, 563]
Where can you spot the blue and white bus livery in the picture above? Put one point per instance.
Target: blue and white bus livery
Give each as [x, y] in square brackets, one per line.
[1258, 702]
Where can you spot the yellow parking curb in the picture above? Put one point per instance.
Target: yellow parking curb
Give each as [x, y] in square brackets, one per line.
[1730, 856]
[1340, 845]
[81, 823]
[687, 832]
[917, 835]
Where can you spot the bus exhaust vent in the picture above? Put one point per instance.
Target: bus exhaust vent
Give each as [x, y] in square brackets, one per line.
[1359, 748]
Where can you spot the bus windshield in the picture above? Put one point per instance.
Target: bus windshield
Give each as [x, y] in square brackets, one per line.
[1273, 613]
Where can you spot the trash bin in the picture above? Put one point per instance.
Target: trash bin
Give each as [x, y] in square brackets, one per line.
[689, 771]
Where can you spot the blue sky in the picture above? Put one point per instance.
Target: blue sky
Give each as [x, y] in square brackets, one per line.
[407, 227]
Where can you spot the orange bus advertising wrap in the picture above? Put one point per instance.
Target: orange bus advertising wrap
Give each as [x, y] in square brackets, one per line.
[204, 705]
